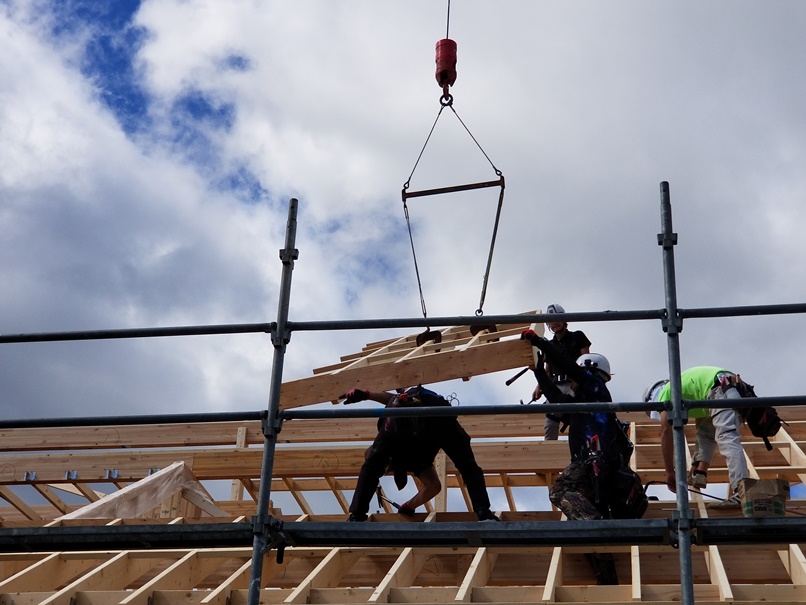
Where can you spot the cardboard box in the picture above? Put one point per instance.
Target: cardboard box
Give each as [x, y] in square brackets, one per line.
[764, 497]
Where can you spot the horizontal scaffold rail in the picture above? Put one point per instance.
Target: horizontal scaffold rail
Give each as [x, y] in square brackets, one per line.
[416, 322]
[612, 532]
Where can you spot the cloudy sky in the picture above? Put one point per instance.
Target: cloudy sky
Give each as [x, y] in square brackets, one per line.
[148, 151]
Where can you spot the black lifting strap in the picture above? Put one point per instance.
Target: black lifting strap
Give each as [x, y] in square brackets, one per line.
[447, 101]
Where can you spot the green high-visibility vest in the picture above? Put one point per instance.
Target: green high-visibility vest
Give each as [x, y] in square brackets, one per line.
[696, 383]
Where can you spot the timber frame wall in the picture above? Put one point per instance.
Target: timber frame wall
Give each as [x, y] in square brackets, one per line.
[118, 510]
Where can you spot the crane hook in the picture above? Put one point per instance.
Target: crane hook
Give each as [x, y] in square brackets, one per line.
[446, 65]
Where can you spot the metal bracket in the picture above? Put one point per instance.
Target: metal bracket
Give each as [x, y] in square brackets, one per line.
[667, 242]
[679, 525]
[29, 476]
[70, 475]
[280, 339]
[271, 427]
[288, 256]
[679, 421]
[272, 528]
[672, 325]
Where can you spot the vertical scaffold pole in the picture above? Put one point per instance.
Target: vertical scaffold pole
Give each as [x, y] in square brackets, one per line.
[678, 416]
[280, 338]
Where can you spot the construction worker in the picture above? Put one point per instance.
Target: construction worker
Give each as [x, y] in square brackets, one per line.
[598, 483]
[698, 473]
[573, 344]
[716, 427]
[412, 443]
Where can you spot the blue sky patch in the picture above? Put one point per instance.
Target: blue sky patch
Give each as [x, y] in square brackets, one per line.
[245, 185]
[112, 44]
[201, 108]
[237, 63]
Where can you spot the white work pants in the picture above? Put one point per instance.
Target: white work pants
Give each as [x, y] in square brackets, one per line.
[721, 428]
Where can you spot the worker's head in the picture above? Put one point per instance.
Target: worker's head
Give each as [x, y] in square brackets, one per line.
[595, 363]
[556, 326]
[652, 392]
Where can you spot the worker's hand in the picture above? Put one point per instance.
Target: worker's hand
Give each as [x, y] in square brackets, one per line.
[671, 482]
[406, 509]
[356, 395]
[530, 335]
[536, 394]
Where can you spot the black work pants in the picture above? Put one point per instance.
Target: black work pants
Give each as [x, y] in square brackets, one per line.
[455, 442]
[374, 467]
[447, 435]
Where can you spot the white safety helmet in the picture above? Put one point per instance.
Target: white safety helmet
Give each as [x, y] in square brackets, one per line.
[554, 308]
[653, 390]
[595, 361]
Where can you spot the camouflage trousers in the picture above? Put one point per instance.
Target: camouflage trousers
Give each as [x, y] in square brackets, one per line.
[575, 492]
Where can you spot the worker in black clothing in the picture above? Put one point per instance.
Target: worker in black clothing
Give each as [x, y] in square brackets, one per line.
[598, 483]
[574, 343]
[410, 442]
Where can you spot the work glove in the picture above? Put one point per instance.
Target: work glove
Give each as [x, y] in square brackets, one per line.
[355, 395]
[405, 509]
[531, 336]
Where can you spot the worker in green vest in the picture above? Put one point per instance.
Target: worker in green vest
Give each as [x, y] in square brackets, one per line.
[716, 427]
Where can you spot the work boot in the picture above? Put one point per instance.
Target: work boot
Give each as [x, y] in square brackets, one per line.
[357, 518]
[698, 479]
[487, 515]
[733, 502]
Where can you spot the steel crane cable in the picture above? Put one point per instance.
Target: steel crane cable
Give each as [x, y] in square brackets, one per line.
[447, 101]
[446, 77]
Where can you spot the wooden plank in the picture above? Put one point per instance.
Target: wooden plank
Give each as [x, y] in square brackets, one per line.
[508, 491]
[402, 573]
[298, 496]
[327, 574]
[221, 595]
[204, 502]
[441, 465]
[183, 574]
[554, 579]
[478, 574]
[338, 492]
[48, 574]
[425, 369]
[116, 573]
[511, 457]
[719, 576]
[635, 573]
[236, 492]
[89, 493]
[18, 503]
[129, 436]
[51, 497]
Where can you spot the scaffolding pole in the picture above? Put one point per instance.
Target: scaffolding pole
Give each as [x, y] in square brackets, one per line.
[271, 426]
[672, 325]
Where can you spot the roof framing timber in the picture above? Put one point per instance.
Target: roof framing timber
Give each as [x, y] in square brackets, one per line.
[195, 546]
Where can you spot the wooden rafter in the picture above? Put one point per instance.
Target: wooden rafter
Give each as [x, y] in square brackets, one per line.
[401, 363]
